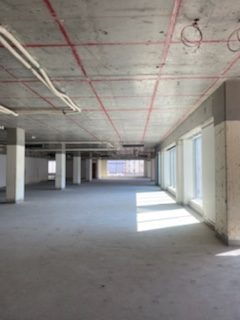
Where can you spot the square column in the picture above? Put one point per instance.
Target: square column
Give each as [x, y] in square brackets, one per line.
[98, 173]
[89, 169]
[227, 163]
[179, 172]
[77, 169]
[152, 170]
[15, 165]
[159, 169]
[148, 168]
[60, 180]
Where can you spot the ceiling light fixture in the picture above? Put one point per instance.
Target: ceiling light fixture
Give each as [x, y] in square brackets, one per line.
[22, 55]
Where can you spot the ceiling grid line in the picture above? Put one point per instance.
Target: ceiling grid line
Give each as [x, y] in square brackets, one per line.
[120, 43]
[79, 62]
[46, 100]
[171, 27]
[163, 77]
[212, 86]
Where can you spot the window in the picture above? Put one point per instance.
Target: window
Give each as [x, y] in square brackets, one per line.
[172, 168]
[127, 168]
[51, 169]
[197, 167]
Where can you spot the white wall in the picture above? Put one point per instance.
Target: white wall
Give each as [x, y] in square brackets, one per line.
[36, 170]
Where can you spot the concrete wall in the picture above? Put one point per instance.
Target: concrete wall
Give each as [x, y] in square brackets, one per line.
[202, 120]
[36, 170]
[218, 120]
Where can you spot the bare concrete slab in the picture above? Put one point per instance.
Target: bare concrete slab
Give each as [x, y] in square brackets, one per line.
[112, 250]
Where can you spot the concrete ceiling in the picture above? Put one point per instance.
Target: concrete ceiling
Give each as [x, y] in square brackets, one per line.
[122, 62]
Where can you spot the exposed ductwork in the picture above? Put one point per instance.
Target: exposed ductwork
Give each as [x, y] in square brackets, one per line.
[23, 56]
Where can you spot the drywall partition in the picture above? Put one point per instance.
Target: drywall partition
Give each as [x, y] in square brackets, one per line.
[36, 170]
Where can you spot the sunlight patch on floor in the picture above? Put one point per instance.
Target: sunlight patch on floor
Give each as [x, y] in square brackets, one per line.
[153, 198]
[160, 219]
[231, 253]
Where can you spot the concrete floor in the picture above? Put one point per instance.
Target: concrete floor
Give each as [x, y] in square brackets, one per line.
[76, 254]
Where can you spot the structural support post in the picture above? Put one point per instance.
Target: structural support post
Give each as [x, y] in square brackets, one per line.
[227, 163]
[60, 181]
[77, 169]
[89, 169]
[148, 168]
[179, 172]
[159, 169]
[15, 165]
[98, 173]
[153, 170]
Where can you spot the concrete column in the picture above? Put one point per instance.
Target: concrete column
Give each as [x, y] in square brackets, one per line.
[98, 169]
[149, 168]
[227, 163]
[153, 170]
[145, 168]
[102, 169]
[77, 169]
[89, 169]
[159, 169]
[179, 172]
[166, 178]
[15, 165]
[60, 180]
[187, 171]
[208, 173]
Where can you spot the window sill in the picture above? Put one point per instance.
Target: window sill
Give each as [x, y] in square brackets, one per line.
[197, 205]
